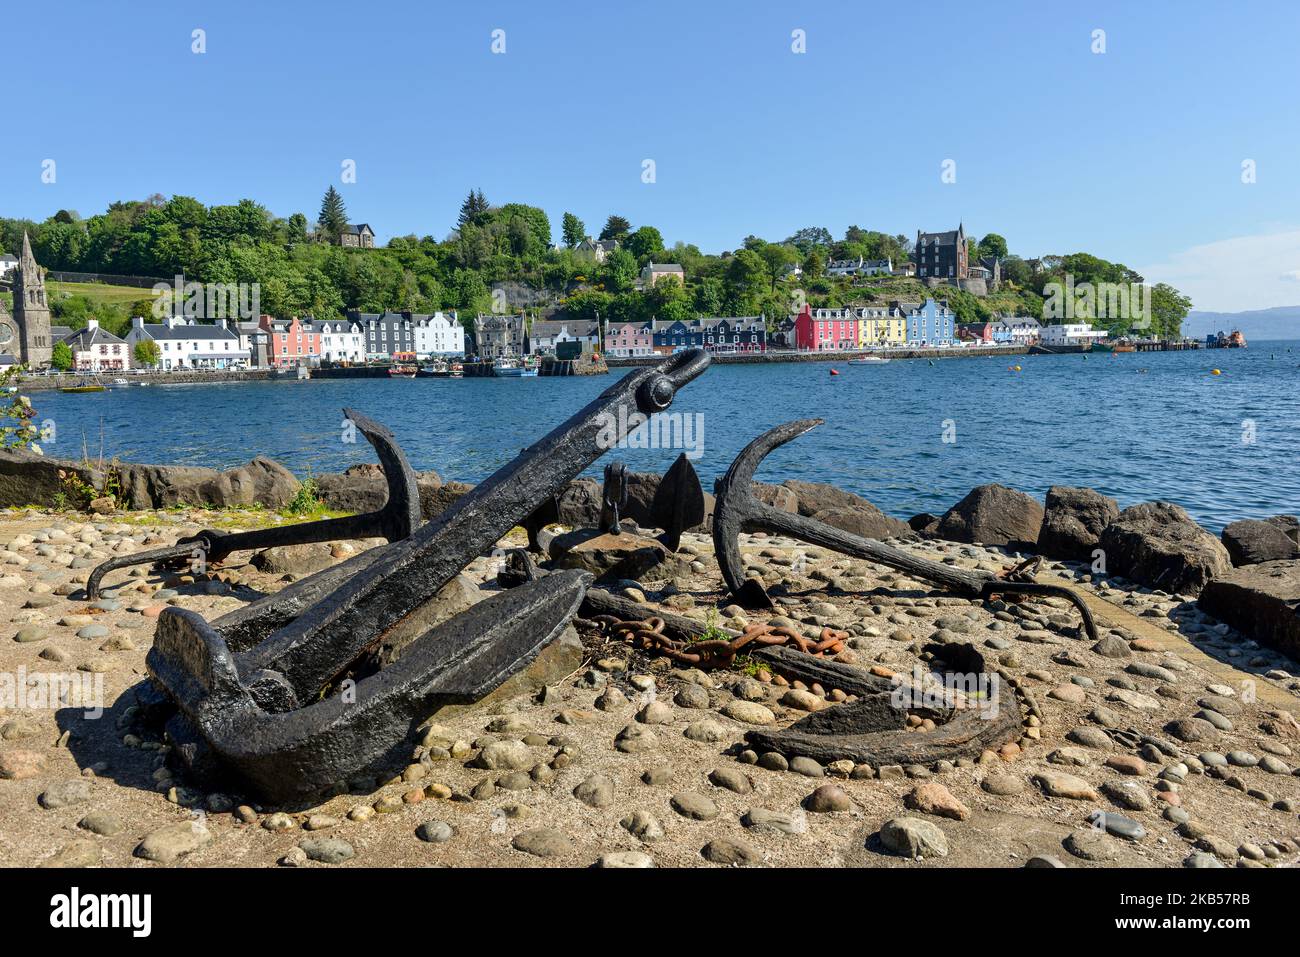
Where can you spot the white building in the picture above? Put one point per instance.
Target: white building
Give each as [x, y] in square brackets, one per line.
[1072, 334]
[859, 267]
[98, 350]
[186, 344]
[439, 335]
[8, 263]
[342, 341]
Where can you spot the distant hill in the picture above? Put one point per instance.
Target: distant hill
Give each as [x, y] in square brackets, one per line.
[1280, 322]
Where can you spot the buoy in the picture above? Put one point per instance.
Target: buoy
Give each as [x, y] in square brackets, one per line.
[834, 372]
[1014, 368]
[1216, 372]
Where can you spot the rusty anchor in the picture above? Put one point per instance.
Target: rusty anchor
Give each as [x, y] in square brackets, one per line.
[399, 517]
[737, 510]
[268, 693]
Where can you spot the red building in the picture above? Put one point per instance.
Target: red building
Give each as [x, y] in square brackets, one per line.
[292, 343]
[829, 330]
[975, 331]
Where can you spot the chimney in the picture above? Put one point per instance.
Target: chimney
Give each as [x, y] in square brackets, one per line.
[137, 323]
[92, 324]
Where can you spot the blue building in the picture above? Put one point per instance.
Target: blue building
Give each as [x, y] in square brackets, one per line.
[930, 324]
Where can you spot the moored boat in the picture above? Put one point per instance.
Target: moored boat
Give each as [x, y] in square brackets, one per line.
[868, 360]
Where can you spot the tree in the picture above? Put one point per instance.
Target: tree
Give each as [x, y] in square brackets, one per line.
[616, 227]
[333, 216]
[809, 237]
[61, 358]
[146, 353]
[646, 243]
[1169, 308]
[295, 229]
[472, 210]
[574, 230]
[993, 245]
[620, 270]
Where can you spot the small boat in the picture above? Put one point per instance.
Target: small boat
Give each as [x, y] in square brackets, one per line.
[511, 368]
[120, 381]
[436, 369]
[402, 372]
[868, 361]
[456, 371]
[84, 387]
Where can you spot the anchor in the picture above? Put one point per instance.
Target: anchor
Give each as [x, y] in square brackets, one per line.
[399, 517]
[268, 693]
[738, 510]
[613, 498]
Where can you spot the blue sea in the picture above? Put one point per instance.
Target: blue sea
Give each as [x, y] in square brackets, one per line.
[911, 435]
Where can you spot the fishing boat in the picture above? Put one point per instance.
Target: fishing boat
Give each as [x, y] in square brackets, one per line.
[868, 361]
[456, 371]
[437, 369]
[511, 368]
[403, 366]
[83, 387]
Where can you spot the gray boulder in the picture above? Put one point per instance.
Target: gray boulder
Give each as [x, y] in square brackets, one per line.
[363, 488]
[1073, 521]
[993, 515]
[1250, 541]
[1260, 601]
[1158, 545]
[30, 479]
[844, 510]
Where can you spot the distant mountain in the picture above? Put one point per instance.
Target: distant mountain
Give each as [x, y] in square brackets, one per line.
[1280, 322]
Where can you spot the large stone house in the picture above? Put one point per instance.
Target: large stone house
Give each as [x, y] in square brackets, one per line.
[930, 323]
[654, 272]
[359, 236]
[496, 336]
[387, 333]
[942, 255]
[292, 342]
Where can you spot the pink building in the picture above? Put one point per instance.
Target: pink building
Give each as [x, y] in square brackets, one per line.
[826, 330]
[291, 343]
[628, 339]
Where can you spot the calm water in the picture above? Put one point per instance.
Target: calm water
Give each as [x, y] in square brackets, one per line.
[1173, 432]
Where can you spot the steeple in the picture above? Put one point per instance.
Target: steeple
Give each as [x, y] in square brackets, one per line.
[31, 310]
[27, 260]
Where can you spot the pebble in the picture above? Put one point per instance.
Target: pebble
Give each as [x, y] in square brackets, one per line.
[543, 842]
[706, 731]
[786, 822]
[693, 805]
[435, 832]
[827, 799]
[327, 850]
[1004, 785]
[1059, 784]
[807, 767]
[1118, 825]
[933, 798]
[913, 837]
[595, 791]
[748, 712]
[643, 825]
[730, 779]
[65, 794]
[730, 851]
[171, 842]
[625, 859]
[1092, 844]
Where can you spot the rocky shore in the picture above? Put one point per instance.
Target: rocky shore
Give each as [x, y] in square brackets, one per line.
[1170, 741]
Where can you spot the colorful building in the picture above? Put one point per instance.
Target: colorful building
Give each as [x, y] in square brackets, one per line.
[825, 330]
[629, 339]
[292, 342]
[98, 350]
[931, 324]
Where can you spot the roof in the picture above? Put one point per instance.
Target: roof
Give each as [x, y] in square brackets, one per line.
[664, 267]
[356, 230]
[7, 360]
[8, 258]
[199, 330]
[575, 327]
[943, 239]
[83, 339]
[59, 333]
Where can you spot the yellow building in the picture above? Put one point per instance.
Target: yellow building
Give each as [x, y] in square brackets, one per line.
[880, 326]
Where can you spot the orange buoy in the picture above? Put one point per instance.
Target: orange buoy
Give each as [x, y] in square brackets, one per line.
[834, 372]
[1216, 372]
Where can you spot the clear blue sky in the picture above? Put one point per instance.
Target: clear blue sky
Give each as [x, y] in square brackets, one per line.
[1134, 154]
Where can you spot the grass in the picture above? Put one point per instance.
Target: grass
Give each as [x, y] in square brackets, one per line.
[97, 292]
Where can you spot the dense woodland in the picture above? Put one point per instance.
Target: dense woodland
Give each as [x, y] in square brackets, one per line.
[301, 271]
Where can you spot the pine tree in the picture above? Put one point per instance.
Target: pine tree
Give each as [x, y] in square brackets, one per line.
[472, 210]
[616, 227]
[333, 217]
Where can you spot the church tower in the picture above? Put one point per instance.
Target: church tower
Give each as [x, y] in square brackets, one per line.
[31, 311]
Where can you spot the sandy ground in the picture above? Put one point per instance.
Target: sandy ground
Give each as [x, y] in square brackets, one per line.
[1245, 814]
